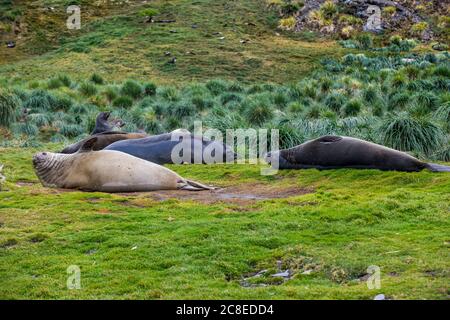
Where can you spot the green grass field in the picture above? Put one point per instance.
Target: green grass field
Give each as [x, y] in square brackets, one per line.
[326, 227]
[332, 224]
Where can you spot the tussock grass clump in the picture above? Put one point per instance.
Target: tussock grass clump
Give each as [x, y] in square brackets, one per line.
[399, 80]
[153, 126]
[220, 120]
[295, 107]
[9, 103]
[110, 93]
[202, 103]
[352, 107]
[168, 93]
[258, 109]
[21, 93]
[313, 112]
[54, 83]
[132, 89]
[150, 89]
[62, 102]
[420, 85]
[79, 109]
[229, 97]
[87, 89]
[172, 123]
[97, 79]
[123, 102]
[236, 87]
[255, 88]
[443, 113]
[259, 114]
[40, 100]
[25, 129]
[443, 154]
[399, 101]
[281, 98]
[65, 80]
[310, 91]
[295, 91]
[442, 71]
[427, 100]
[40, 119]
[370, 94]
[405, 133]
[217, 87]
[365, 41]
[71, 130]
[289, 135]
[412, 72]
[182, 110]
[335, 101]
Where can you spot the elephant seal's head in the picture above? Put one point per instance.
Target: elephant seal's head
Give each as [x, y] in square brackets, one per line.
[50, 167]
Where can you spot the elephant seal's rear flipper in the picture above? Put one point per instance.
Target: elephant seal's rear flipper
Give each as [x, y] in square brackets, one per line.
[194, 186]
[437, 167]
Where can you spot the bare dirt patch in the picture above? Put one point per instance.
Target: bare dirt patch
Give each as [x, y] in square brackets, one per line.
[243, 194]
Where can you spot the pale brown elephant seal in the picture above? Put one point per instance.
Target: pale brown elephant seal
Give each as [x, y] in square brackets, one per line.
[335, 152]
[107, 171]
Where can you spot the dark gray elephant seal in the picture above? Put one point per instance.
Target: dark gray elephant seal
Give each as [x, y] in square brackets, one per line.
[186, 147]
[103, 140]
[102, 123]
[334, 152]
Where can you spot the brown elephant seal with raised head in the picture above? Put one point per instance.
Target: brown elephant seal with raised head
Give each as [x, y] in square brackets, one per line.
[104, 139]
[107, 171]
[335, 152]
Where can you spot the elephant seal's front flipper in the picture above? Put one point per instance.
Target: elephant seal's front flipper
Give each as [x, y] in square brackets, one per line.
[88, 146]
[437, 167]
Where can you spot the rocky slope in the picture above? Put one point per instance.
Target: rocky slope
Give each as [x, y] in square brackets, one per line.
[421, 19]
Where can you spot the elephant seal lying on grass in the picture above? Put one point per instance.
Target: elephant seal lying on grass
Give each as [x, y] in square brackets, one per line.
[103, 140]
[176, 147]
[107, 171]
[334, 152]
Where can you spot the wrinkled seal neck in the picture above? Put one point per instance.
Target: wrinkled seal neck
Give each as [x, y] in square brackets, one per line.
[53, 170]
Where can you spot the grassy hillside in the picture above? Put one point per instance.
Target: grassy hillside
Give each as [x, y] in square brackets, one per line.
[122, 45]
[326, 227]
